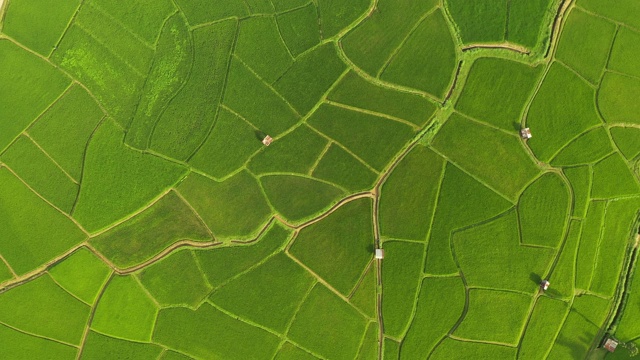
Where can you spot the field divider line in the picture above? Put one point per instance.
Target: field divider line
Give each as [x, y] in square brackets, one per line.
[136, 278]
[486, 124]
[48, 273]
[576, 73]
[373, 113]
[362, 339]
[595, 14]
[49, 202]
[122, 25]
[15, 275]
[488, 342]
[66, 29]
[275, 19]
[195, 213]
[564, 146]
[363, 274]
[278, 173]
[331, 210]
[91, 314]
[295, 313]
[324, 151]
[51, 158]
[2, 323]
[242, 319]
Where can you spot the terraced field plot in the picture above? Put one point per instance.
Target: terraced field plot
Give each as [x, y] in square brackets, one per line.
[145, 214]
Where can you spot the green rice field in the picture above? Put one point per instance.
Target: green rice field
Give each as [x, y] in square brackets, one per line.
[319, 179]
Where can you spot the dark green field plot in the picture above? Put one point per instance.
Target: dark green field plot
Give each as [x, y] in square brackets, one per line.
[299, 28]
[339, 247]
[289, 351]
[125, 310]
[176, 280]
[625, 55]
[580, 180]
[564, 271]
[623, 11]
[543, 209]
[39, 232]
[140, 238]
[364, 296]
[544, 323]
[626, 139]
[590, 241]
[233, 208]
[335, 15]
[410, 193]
[82, 274]
[629, 327]
[327, 325]
[208, 333]
[359, 132]
[493, 248]
[20, 346]
[497, 84]
[587, 148]
[616, 99]
[29, 85]
[486, 320]
[612, 178]
[528, 19]
[101, 347]
[479, 21]
[339, 167]
[268, 295]
[492, 155]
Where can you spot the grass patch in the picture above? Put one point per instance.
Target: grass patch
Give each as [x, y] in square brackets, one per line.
[479, 21]
[340, 246]
[83, 274]
[544, 324]
[370, 44]
[580, 181]
[563, 277]
[434, 317]
[410, 193]
[626, 139]
[543, 209]
[234, 208]
[498, 84]
[33, 232]
[256, 102]
[487, 321]
[101, 347]
[268, 295]
[38, 24]
[175, 280]
[148, 233]
[625, 54]
[328, 326]
[298, 198]
[18, 345]
[493, 248]
[493, 156]
[43, 175]
[294, 153]
[589, 243]
[554, 123]
[41, 307]
[211, 334]
[616, 99]
[401, 276]
[585, 43]
[118, 180]
[335, 15]
[169, 71]
[299, 28]
[612, 178]
[230, 144]
[188, 118]
[341, 168]
[427, 59]
[451, 349]
[64, 130]
[354, 90]
[125, 311]
[360, 133]
[23, 97]
[587, 148]
[463, 201]
[310, 77]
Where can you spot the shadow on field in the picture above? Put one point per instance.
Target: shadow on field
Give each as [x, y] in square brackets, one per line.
[535, 278]
[260, 135]
[516, 126]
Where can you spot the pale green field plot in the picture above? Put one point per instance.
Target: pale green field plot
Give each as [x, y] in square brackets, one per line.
[589, 244]
[20, 346]
[613, 178]
[546, 201]
[36, 169]
[625, 55]
[64, 130]
[626, 139]
[463, 201]
[563, 277]
[338, 248]
[354, 90]
[38, 24]
[299, 29]
[172, 355]
[268, 295]
[101, 347]
[486, 320]
[233, 208]
[299, 198]
[491, 155]
[410, 193]
[450, 348]
[327, 325]
[479, 21]
[43, 308]
[580, 181]
[493, 248]
[37, 232]
[339, 167]
[587, 148]
[585, 43]
[498, 84]
[562, 109]
[208, 333]
[357, 131]
[401, 275]
[117, 180]
[629, 328]
[200, 12]
[545, 322]
[148, 233]
[82, 274]
[623, 11]
[176, 280]
[616, 99]
[28, 86]
[5, 273]
[289, 351]
[284, 5]
[125, 311]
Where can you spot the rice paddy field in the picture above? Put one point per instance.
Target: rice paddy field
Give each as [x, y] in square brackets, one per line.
[319, 179]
